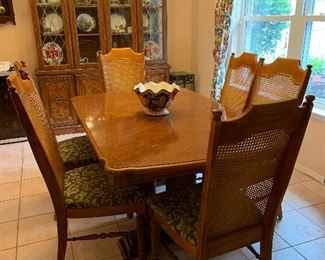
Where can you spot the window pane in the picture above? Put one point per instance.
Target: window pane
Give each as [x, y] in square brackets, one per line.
[270, 7]
[268, 39]
[314, 7]
[314, 54]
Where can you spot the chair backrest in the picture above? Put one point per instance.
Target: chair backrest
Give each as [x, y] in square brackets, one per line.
[250, 161]
[122, 69]
[239, 81]
[31, 112]
[281, 80]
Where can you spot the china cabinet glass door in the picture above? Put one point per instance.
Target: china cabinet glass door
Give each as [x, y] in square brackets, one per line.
[51, 24]
[87, 32]
[153, 29]
[121, 23]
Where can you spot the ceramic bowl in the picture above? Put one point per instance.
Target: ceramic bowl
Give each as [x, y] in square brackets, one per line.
[156, 97]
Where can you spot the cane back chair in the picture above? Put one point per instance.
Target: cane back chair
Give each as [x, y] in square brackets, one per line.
[83, 192]
[239, 80]
[76, 151]
[122, 69]
[281, 80]
[249, 165]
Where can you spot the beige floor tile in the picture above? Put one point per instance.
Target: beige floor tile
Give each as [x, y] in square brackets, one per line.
[36, 229]
[10, 174]
[287, 254]
[313, 250]
[35, 205]
[316, 187]
[8, 235]
[9, 210]
[9, 254]
[294, 228]
[116, 257]
[234, 255]
[31, 172]
[286, 207]
[33, 187]
[315, 213]
[299, 196]
[298, 177]
[9, 191]
[83, 224]
[127, 225]
[45, 250]
[11, 155]
[96, 249]
[278, 244]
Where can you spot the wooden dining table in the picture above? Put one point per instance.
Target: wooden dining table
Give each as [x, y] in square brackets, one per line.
[137, 148]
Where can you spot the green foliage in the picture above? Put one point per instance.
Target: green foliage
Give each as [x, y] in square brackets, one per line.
[318, 64]
[265, 35]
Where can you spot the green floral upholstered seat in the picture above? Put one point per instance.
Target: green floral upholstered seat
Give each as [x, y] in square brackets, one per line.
[76, 152]
[89, 187]
[180, 209]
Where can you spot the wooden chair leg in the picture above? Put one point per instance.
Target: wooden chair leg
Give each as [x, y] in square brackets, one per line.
[140, 234]
[62, 226]
[154, 240]
[266, 248]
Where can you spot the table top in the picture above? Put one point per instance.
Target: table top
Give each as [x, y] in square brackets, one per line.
[128, 141]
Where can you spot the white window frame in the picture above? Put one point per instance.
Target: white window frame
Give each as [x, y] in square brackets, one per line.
[297, 21]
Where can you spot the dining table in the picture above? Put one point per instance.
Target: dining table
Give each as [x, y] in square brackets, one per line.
[137, 148]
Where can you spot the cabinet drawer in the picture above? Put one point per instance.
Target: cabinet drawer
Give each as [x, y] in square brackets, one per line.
[90, 83]
[56, 93]
[157, 75]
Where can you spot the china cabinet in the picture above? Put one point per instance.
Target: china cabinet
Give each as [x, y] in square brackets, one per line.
[70, 36]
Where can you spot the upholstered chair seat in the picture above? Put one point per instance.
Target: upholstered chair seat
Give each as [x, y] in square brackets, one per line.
[180, 210]
[76, 152]
[89, 187]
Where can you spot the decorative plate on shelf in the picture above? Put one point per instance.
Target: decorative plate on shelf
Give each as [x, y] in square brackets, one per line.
[86, 23]
[118, 23]
[151, 50]
[52, 23]
[52, 53]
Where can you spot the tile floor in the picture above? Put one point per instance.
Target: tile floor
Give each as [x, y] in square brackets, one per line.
[28, 230]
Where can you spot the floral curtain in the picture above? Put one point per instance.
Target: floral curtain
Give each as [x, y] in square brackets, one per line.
[223, 12]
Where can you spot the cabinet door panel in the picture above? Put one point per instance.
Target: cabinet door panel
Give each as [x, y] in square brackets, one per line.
[121, 23]
[52, 34]
[56, 93]
[88, 32]
[90, 84]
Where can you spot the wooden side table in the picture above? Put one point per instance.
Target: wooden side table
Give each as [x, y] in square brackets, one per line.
[183, 78]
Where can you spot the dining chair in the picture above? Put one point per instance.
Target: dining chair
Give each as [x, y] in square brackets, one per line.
[281, 80]
[122, 69]
[239, 80]
[82, 192]
[249, 164]
[76, 151]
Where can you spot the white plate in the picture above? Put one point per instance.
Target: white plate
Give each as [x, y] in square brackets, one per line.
[52, 23]
[52, 53]
[145, 20]
[118, 23]
[86, 22]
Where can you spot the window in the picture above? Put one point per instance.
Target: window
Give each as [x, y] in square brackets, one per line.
[285, 28]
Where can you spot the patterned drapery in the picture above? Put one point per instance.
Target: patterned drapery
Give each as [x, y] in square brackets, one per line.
[223, 12]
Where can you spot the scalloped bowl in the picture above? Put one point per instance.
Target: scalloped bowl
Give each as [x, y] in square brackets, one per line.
[156, 97]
